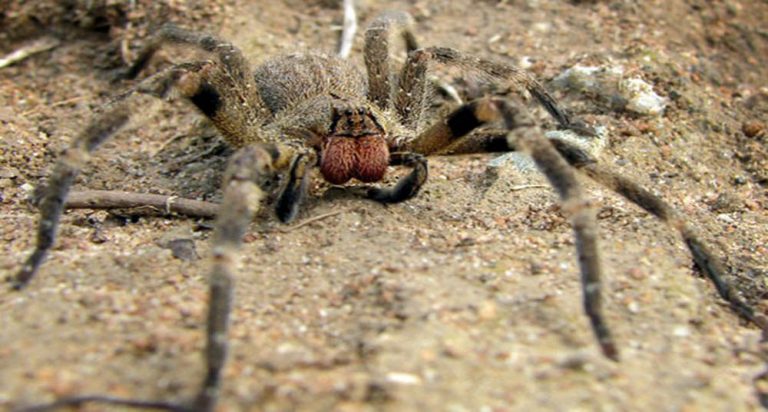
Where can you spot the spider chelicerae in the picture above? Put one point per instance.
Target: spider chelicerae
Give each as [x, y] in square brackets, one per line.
[301, 111]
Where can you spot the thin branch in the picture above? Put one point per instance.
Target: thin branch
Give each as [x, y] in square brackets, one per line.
[37, 46]
[52, 105]
[76, 401]
[523, 187]
[348, 30]
[141, 203]
[311, 220]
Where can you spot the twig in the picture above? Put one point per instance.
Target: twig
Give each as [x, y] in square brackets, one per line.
[141, 203]
[52, 105]
[76, 401]
[311, 220]
[348, 29]
[523, 187]
[37, 46]
[5, 216]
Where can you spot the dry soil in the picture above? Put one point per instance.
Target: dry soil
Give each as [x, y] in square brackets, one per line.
[465, 298]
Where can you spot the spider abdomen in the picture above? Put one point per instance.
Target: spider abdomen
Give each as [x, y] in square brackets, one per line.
[287, 80]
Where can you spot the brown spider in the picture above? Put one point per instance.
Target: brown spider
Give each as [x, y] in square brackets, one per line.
[301, 111]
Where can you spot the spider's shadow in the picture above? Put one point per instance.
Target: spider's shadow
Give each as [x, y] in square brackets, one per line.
[193, 164]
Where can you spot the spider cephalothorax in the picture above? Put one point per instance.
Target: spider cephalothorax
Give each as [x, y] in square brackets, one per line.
[356, 147]
[304, 110]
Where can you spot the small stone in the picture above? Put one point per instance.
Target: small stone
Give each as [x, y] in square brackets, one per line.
[726, 203]
[487, 310]
[98, 236]
[8, 173]
[636, 273]
[681, 331]
[183, 249]
[752, 128]
[403, 378]
[633, 307]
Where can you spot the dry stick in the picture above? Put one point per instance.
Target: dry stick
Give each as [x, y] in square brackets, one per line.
[143, 203]
[54, 104]
[348, 29]
[77, 401]
[312, 220]
[37, 46]
[8, 216]
[523, 187]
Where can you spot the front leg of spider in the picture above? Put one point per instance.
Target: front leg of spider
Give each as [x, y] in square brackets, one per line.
[295, 188]
[408, 186]
[242, 197]
[57, 187]
[562, 177]
[216, 88]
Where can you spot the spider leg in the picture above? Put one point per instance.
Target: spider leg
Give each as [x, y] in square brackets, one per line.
[583, 220]
[116, 114]
[230, 56]
[455, 129]
[224, 90]
[295, 188]
[57, 187]
[377, 52]
[705, 259]
[408, 186]
[242, 197]
[412, 87]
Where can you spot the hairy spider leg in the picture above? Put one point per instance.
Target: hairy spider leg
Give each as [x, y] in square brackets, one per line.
[377, 52]
[242, 197]
[411, 92]
[452, 136]
[54, 192]
[583, 220]
[225, 91]
[707, 261]
[457, 128]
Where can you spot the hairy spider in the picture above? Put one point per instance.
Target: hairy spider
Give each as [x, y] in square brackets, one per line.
[301, 111]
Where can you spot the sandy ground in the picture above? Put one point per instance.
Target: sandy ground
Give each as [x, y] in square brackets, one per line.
[465, 298]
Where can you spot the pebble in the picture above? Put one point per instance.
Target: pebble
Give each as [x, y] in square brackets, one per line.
[403, 378]
[752, 128]
[8, 172]
[183, 249]
[681, 331]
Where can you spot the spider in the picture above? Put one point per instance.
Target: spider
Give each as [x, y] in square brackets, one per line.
[303, 111]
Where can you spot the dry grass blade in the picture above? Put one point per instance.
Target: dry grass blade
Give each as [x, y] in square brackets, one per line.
[38, 46]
